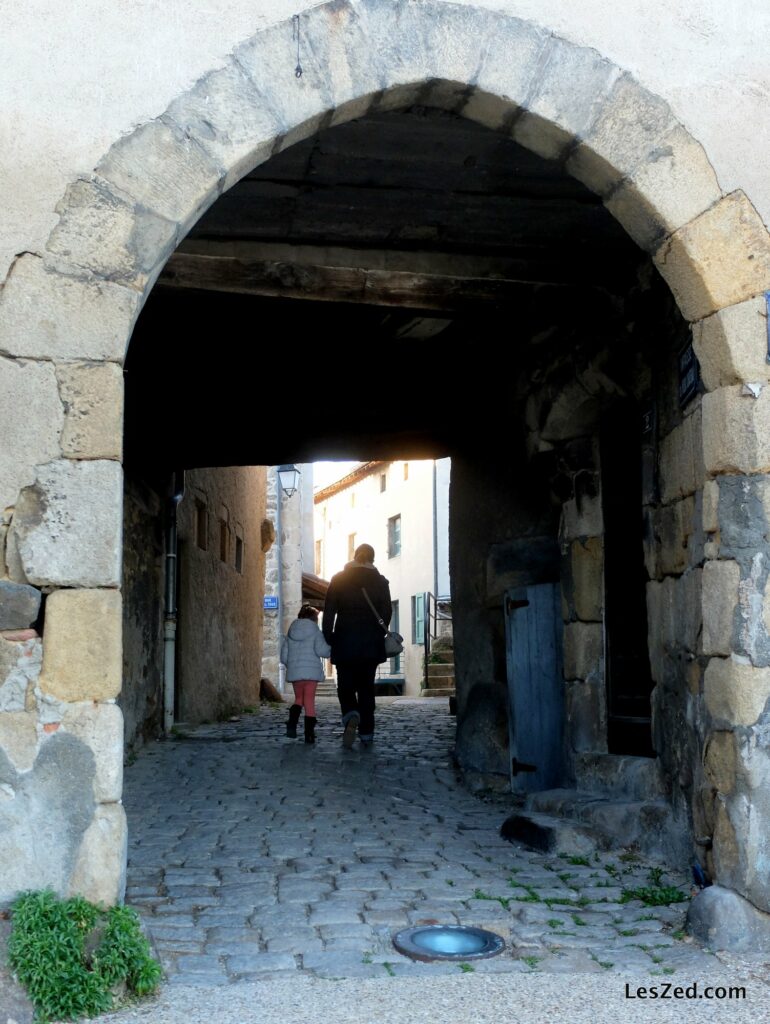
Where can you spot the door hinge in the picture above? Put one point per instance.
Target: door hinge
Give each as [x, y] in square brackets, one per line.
[512, 605]
[519, 766]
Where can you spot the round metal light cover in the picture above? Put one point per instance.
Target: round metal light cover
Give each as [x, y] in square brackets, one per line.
[447, 942]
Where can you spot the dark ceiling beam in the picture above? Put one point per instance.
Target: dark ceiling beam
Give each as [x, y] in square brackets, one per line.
[293, 280]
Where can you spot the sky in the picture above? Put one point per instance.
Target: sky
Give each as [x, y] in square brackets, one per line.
[325, 473]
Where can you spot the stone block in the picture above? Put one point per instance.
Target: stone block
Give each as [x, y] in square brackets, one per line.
[586, 717]
[99, 873]
[675, 526]
[92, 395]
[672, 185]
[710, 506]
[48, 314]
[680, 459]
[109, 236]
[19, 605]
[583, 649]
[227, 117]
[82, 653]
[736, 430]
[720, 599]
[731, 345]
[45, 812]
[502, 82]
[632, 123]
[719, 259]
[565, 99]
[735, 693]
[719, 761]
[723, 920]
[66, 531]
[298, 104]
[20, 662]
[587, 558]
[100, 727]
[31, 418]
[163, 170]
[18, 738]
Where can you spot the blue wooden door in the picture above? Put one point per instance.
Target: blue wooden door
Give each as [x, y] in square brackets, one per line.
[533, 632]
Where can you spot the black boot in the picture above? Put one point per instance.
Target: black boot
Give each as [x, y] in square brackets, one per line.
[310, 729]
[291, 726]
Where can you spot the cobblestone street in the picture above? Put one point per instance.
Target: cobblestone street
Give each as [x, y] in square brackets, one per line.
[253, 855]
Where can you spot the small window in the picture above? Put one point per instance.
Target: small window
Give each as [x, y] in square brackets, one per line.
[351, 546]
[406, 471]
[394, 536]
[418, 619]
[201, 526]
[383, 482]
[239, 555]
[319, 557]
[224, 541]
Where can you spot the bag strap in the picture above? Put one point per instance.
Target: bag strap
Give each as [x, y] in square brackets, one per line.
[374, 610]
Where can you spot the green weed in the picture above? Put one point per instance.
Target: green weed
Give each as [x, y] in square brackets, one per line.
[71, 956]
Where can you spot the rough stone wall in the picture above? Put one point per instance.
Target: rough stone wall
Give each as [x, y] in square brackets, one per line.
[220, 609]
[284, 582]
[141, 698]
[502, 534]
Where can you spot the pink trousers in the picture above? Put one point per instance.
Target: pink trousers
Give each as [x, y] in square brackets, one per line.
[304, 695]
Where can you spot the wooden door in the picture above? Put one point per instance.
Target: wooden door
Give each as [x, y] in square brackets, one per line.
[533, 632]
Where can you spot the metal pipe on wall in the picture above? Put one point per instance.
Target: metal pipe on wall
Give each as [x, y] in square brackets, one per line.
[170, 606]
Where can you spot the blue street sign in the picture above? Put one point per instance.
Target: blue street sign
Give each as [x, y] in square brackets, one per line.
[270, 603]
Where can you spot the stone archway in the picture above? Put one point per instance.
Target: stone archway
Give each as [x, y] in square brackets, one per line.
[68, 313]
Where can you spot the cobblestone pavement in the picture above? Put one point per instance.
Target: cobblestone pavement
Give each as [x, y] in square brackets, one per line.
[252, 855]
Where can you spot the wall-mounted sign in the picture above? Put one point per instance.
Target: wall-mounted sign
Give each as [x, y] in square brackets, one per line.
[270, 603]
[689, 375]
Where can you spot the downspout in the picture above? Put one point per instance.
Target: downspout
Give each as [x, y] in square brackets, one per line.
[435, 531]
[279, 538]
[170, 613]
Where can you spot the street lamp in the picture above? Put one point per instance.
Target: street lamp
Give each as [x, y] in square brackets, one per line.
[288, 477]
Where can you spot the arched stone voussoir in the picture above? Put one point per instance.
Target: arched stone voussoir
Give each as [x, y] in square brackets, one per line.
[52, 311]
[565, 95]
[672, 185]
[165, 171]
[718, 259]
[111, 236]
[630, 124]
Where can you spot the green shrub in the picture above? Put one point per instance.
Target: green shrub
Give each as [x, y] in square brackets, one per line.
[71, 956]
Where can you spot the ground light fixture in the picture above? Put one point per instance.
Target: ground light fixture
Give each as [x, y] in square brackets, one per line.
[447, 942]
[288, 477]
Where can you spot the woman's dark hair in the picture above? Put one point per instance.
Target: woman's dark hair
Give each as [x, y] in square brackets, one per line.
[307, 611]
[364, 553]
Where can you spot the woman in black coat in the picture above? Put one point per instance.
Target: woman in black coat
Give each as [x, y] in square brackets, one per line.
[357, 639]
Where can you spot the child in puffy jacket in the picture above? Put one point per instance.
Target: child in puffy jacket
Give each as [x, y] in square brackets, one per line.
[301, 652]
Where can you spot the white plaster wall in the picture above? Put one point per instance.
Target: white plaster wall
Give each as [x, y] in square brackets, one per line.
[409, 573]
[75, 77]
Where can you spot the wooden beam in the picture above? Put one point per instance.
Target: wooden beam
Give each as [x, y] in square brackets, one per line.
[292, 280]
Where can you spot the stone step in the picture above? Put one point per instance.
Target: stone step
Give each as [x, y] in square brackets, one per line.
[442, 657]
[438, 691]
[648, 825]
[440, 684]
[620, 776]
[441, 671]
[550, 834]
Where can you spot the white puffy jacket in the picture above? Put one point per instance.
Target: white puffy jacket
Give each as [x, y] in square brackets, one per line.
[302, 649]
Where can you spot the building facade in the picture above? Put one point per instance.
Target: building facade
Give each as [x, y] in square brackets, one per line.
[401, 508]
